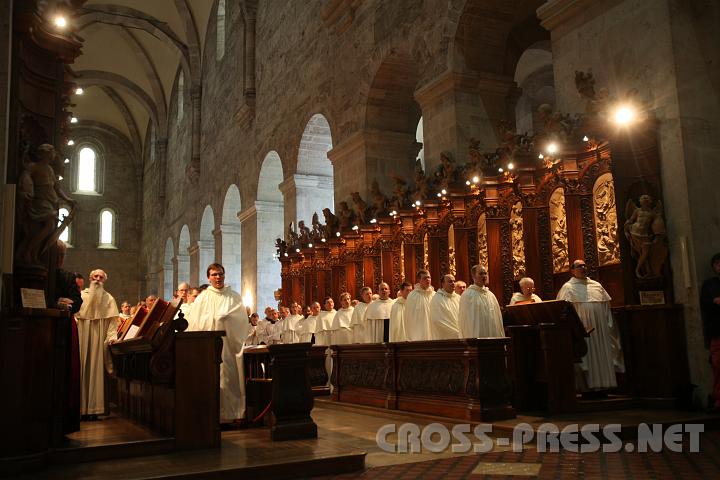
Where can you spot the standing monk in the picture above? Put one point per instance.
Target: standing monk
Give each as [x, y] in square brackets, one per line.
[397, 313]
[97, 313]
[592, 304]
[479, 309]
[358, 316]
[377, 316]
[220, 308]
[444, 308]
[416, 318]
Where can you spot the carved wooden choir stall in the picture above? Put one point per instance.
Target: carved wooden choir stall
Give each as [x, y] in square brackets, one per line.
[579, 190]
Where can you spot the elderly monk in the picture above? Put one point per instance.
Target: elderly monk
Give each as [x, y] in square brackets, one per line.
[342, 322]
[444, 309]
[397, 328]
[526, 293]
[479, 309]
[416, 318]
[97, 315]
[221, 308]
[182, 293]
[358, 316]
[592, 304]
[324, 329]
[306, 326]
[377, 316]
[460, 287]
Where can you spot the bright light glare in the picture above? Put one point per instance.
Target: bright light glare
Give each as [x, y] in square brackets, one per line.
[624, 115]
[60, 21]
[552, 148]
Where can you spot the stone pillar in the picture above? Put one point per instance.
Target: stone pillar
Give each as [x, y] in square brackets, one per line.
[206, 255]
[196, 97]
[196, 277]
[371, 155]
[250, 11]
[458, 107]
[305, 195]
[230, 255]
[269, 227]
[248, 227]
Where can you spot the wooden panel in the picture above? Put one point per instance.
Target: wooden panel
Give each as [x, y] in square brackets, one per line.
[495, 268]
[573, 213]
[462, 253]
[532, 245]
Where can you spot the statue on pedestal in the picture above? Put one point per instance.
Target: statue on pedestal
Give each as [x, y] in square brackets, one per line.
[447, 172]
[292, 236]
[345, 215]
[39, 196]
[360, 208]
[422, 189]
[304, 233]
[645, 230]
[379, 207]
[400, 194]
[331, 222]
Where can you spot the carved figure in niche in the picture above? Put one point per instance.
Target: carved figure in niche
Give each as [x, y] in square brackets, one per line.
[482, 240]
[360, 208]
[422, 189]
[38, 202]
[292, 236]
[645, 230]
[345, 215]
[606, 223]
[331, 222]
[446, 173]
[304, 232]
[379, 201]
[518, 244]
[558, 228]
[400, 194]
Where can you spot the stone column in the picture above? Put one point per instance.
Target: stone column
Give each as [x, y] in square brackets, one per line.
[230, 254]
[196, 98]
[196, 276]
[458, 107]
[305, 195]
[269, 227]
[206, 256]
[248, 227]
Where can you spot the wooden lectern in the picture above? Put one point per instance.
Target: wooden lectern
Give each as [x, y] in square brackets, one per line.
[547, 339]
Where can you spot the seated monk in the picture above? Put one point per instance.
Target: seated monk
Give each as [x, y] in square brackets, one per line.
[526, 293]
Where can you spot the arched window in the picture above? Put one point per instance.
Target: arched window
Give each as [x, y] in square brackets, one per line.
[107, 229]
[220, 44]
[65, 235]
[87, 168]
[180, 96]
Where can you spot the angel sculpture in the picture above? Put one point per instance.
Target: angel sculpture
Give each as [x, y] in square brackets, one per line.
[318, 230]
[422, 189]
[345, 215]
[292, 236]
[400, 194]
[304, 232]
[645, 230]
[360, 208]
[446, 173]
[331, 222]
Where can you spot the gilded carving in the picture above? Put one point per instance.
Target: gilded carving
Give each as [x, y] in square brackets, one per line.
[482, 240]
[606, 226]
[517, 241]
[426, 253]
[452, 269]
[402, 262]
[558, 227]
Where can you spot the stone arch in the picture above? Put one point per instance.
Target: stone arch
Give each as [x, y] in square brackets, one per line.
[206, 242]
[269, 208]
[534, 76]
[314, 177]
[183, 255]
[231, 238]
[391, 121]
[168, 269]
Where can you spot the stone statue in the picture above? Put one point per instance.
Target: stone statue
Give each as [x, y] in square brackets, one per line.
[39, 198]
[379, 207]
[360, 208]
[280, 246]
[447, 172]
[345, 215]
[292, 236]
[400, 194]
[422, 189]
[331, 222]
[318, 230]
[645, 230]
[304, 233]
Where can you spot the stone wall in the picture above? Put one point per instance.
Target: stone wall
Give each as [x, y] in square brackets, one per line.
[5, 42]
[120, 192]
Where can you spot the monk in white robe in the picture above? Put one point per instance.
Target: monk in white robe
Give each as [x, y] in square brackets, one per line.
[291, 324]
[479, 314]
[220, 308]
[416, 318]
[358, 316]
[397, 327]
[377, 316]
[342, 322]
[252, 338]
[324, 331]
[444, 309]
[306, 327]
[526, 293]
[592, 304]
[98, 314]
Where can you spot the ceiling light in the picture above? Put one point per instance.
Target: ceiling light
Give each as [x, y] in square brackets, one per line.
[624, 115]
[475, 179]
[67, 160]
[552, 148]
[586, 139]
[510, 166]
[71, 142]
[60, 21]
[73, 120]
[79, 91]
[337, 234]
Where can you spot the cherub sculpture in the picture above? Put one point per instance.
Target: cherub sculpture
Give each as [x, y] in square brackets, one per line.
[645, 230]
[360, 208]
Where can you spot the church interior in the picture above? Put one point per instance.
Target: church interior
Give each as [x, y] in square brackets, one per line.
[283, 153]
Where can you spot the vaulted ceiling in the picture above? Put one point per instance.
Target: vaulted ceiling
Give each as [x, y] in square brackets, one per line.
[132, 51]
